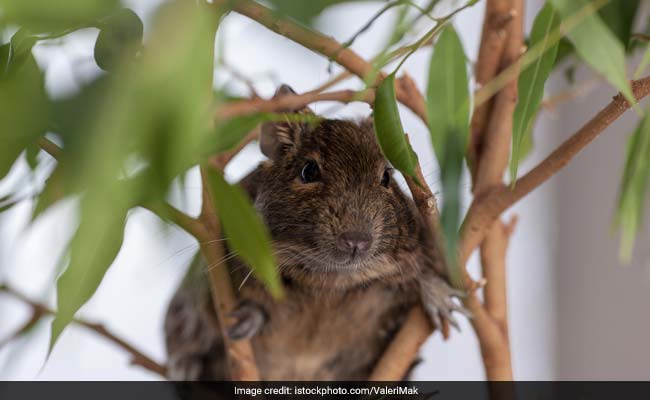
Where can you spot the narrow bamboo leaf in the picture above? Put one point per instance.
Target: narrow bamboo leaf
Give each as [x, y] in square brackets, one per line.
[595, 43]
[92, 251]
[532, 80]
[450, 176]
[120, 37]
[389, 130]
[632, 194]
[448, 98]
[245, 232]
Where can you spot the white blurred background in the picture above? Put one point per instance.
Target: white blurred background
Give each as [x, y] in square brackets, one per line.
[575, 313]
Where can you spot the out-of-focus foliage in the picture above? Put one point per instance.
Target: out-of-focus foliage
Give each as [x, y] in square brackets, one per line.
[120, 36]
[24, 104]
[634, 185]
[40, 16]
[390, 133]
[531, 82]
[124, 136]
[147, 116]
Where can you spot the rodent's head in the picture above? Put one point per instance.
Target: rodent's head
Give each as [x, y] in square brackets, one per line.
[329, 199]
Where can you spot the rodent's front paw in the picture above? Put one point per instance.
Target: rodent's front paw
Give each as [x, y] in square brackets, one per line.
[437, 299]
[249, 318]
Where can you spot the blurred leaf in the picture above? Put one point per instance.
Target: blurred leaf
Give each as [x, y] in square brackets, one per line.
[595, 43]
[31, 155]
[246, 233]
[632, 194]
[120, 37]
[531, 82]
[304, 11]
[388, 128]
[20, 48]
[450, 176]
[147, 126]
[92, 251]
[24, 104]
[448, 93]
[229, 133]
[51, 16]
[619, 16]
[52, 192]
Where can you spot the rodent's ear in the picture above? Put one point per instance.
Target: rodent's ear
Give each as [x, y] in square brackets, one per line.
[278, 137]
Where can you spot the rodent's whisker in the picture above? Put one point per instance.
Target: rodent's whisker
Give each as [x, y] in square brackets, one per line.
[223, 259]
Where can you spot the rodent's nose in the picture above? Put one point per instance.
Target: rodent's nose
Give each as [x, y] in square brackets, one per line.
[354, 242]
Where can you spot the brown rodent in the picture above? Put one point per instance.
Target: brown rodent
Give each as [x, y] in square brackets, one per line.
[353, 254]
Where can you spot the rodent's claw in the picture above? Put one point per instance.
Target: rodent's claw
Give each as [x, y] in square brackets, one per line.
[249, 319]
[437, 299]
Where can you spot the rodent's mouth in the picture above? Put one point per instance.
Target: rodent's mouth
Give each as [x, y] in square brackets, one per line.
[347, 262]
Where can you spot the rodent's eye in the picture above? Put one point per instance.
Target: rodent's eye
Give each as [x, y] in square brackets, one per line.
[310, 172]
[385, 179]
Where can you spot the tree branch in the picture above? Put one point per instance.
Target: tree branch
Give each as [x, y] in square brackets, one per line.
[491, 160]
[241, 358]
[495, 200]
[401, 352]
[321, 44]
[40, 310]
[290, 101]
[493, 39]
[49, 147]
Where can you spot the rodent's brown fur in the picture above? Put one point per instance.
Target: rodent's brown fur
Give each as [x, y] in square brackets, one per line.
[336, 318]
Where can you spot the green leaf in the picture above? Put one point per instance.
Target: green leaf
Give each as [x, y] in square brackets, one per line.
[448, 96]
[52, 192]
[24, 105]
[388, 128]
[619, 16]
[244, 230]
[120, 38]
[595, 43]
[532, 80]
[52, 16]
[31, 155]
[634, 184]
[92, 251]
[450, 176]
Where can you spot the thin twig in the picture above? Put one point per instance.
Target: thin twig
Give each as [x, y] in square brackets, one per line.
[240, 356]
[40, 310]
[290, 101]
[320, 44]
[49, 147]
